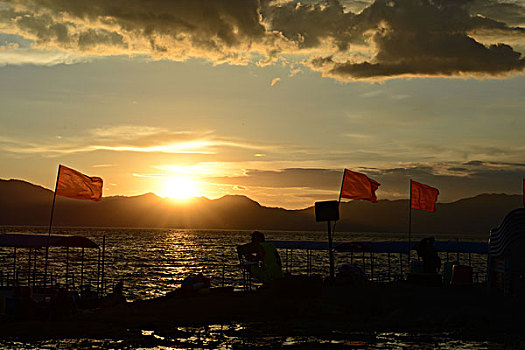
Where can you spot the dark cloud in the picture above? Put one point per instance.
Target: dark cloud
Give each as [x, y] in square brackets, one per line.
[153, 27]
[453, 182]
[285, 178]
[511, 13]
[458, 169]
[308, 25]
[505, 164]
[313, 197]
[425, 38]
[387, 38]
[464, 55]
[474, 163]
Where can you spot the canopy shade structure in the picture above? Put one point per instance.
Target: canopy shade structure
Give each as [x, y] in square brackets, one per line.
[31, 240]
[384, 246]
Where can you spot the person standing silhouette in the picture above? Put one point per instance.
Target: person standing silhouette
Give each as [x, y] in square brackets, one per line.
[427, 251]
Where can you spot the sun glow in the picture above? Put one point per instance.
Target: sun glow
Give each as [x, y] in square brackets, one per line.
[181, 188]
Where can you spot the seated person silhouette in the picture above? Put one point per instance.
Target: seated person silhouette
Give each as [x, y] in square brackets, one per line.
[267, 265]
[115, 298]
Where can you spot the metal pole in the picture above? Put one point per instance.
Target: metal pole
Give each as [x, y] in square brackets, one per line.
[98, 272]
[401, 262]
[287, 261]
[223, 266]
[372, 265]
[330, 251]
[67, 267]
[309, 260]
[82, 270]
[409, 223]
[339, 200]
[364, 261]
[14, 265]
[244, 286]
[457, 249]
[50, 225]
[29, 268]
[34, 269]
[103, 256]
[389, 269]
[291, 261]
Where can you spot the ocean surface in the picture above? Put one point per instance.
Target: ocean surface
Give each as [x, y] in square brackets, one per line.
[245, 337]
[153, 262]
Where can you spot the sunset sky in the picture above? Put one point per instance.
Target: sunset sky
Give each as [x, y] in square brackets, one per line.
[268, 99]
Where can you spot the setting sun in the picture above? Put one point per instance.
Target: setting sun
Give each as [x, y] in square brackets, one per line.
[180, 188]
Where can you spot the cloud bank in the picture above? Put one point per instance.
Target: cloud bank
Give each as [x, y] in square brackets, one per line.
[454, 180]
[345, 40]
[132, 138]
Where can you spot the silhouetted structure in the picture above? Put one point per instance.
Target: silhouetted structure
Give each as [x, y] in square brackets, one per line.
[506, 262]
[23, 281]
[371, 253]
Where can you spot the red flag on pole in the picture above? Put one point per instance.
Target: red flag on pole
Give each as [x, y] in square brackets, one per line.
[358, 186]
[423, 197]
[74, 184]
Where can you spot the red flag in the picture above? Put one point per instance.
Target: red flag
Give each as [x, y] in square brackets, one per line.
[423, 197]
[358, 186]
[74, 184]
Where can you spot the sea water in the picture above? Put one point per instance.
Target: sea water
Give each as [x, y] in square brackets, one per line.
[153, 262]
[237, 336]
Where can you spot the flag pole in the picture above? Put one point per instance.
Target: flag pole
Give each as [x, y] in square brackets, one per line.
[331, 233]
[53, 205]
[330, 245]
[50, 225]
[409, 222]
[342, 182]
[339, 200]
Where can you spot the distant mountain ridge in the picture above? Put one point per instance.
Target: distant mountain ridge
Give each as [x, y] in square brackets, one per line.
[23, 203]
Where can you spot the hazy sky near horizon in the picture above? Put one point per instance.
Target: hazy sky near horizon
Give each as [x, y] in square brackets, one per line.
[269, 99]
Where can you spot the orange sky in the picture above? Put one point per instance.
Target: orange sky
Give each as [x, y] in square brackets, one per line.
[269, 99]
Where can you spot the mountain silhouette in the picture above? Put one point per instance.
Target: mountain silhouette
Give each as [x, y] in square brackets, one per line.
[26, 204]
